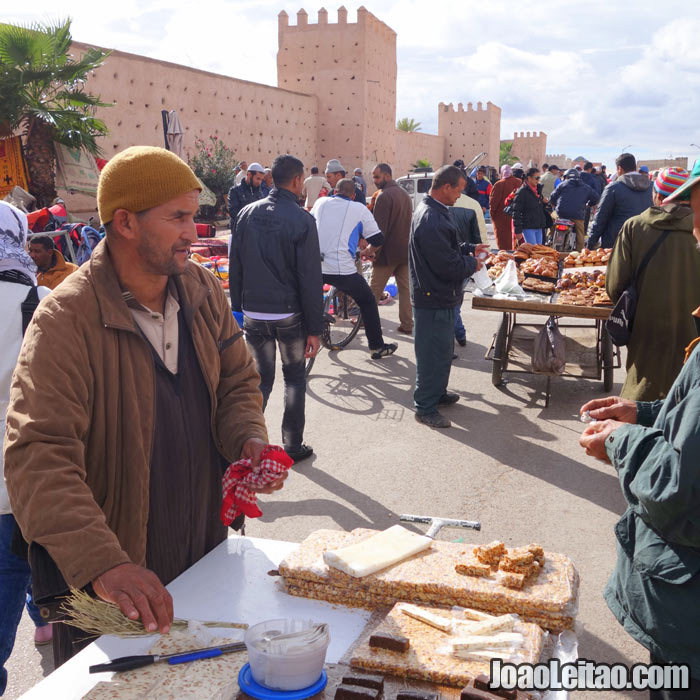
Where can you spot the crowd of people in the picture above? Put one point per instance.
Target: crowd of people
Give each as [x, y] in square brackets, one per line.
[134, 386]
[525, 203]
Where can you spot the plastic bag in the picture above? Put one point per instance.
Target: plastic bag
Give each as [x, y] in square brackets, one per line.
[507, 281]
[549, 350]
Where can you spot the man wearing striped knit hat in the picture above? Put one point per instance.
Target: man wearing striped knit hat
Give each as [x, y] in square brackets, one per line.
[669, 288]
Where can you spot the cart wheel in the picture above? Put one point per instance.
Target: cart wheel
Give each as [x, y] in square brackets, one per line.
[607, 352]
[499, 352]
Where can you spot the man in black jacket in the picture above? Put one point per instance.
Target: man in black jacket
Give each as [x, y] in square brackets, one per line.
[571, 199]
[246, 192]
[275, 280]
[438, 265]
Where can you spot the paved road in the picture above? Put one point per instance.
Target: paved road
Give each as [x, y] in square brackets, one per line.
[507, 461]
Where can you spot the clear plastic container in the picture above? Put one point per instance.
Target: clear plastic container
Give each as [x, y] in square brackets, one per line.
[298, 668]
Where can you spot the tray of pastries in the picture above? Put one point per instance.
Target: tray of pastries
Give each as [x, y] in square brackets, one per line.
[540, 267]
[588, 258]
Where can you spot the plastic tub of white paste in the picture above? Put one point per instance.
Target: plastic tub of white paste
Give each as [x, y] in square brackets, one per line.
[285, 664]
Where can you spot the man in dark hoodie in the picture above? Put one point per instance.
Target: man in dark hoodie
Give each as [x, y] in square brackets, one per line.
[570, 200]
[628, 196]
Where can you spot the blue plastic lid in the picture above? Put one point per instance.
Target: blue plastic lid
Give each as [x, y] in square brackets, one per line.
[255, 690]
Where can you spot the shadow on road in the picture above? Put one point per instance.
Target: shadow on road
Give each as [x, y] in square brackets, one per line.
[375, 515]
[502, 432]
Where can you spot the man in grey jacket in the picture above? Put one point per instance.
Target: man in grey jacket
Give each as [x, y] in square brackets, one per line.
[629, 195]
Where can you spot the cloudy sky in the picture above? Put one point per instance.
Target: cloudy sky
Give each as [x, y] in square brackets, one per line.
[595, 76]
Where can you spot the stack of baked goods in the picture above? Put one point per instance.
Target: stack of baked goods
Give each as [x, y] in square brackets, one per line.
[500, 257]
[497, 269]
[588, 258]
[543, 266]
[535, 250]
[583, 289]
[533, 284]
[547, 596]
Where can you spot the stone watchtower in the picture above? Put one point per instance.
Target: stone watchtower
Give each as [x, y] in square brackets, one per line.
[351, 69]
[469, 132]
[530, 148]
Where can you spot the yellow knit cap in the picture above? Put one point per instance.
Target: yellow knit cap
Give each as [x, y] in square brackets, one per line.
[142, 177]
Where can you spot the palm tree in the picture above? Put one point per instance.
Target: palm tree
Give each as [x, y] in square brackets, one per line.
[407, 124]
[44, 98]
[422, 163]
[506, 156]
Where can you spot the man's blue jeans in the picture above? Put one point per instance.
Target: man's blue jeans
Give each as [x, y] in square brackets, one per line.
[290, 334]
[433, 332]
[15, 592]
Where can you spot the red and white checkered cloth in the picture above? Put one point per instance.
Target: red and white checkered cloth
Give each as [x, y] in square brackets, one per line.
[239, 477]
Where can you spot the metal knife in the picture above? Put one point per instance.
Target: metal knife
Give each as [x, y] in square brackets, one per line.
[127, 663]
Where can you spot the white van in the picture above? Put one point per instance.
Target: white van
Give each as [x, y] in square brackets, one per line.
[417, 184]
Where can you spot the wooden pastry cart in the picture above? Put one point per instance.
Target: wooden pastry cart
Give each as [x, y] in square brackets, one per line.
[590, 353]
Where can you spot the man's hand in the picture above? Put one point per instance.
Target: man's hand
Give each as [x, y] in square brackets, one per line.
[611, 408]
[139, 594]
[312, 346]
[594, 436]
[481, 252]
[252, 449]
[362, 244]
[368, 253]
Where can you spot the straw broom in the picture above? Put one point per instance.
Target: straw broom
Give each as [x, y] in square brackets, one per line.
[99, 617]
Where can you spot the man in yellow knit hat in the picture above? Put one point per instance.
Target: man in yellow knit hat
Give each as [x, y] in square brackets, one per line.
[134, 389]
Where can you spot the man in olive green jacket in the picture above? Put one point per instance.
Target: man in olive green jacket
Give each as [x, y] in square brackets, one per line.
[668, 292]
[654, 590]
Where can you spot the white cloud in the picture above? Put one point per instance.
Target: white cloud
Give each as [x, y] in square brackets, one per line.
[594, 76]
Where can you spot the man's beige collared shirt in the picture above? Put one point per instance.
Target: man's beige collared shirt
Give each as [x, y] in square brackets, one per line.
[161, 330]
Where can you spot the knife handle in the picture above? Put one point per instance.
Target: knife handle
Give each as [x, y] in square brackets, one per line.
[185, 658]
[124, 663]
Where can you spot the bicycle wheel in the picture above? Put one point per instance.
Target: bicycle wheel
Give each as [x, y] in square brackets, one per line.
[309, 364]
[342, 317]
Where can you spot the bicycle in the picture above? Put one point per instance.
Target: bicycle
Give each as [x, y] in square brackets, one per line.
[342, 318]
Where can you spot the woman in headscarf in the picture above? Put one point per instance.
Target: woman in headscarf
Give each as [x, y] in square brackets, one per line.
[503, 223]
[17, 280]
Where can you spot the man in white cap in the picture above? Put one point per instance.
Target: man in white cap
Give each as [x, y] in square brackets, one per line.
[247, 192]
[335, 172]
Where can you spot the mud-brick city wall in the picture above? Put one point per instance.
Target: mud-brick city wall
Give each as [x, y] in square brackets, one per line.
[257, 121]
[413, 146]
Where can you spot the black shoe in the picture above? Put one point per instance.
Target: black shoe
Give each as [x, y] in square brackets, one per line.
[386, 350]
[448, 398]
[433, 420]
[462, 342]
[455, 356]
[300, 454]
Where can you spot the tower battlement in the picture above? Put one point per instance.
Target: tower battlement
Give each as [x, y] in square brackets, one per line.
[528, 135]
[449, 108]
[364, 19]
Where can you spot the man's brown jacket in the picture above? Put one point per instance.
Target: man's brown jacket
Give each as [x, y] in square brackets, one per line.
[81, 415]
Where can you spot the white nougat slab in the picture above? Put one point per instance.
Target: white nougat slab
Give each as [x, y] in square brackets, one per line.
[377, 552]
